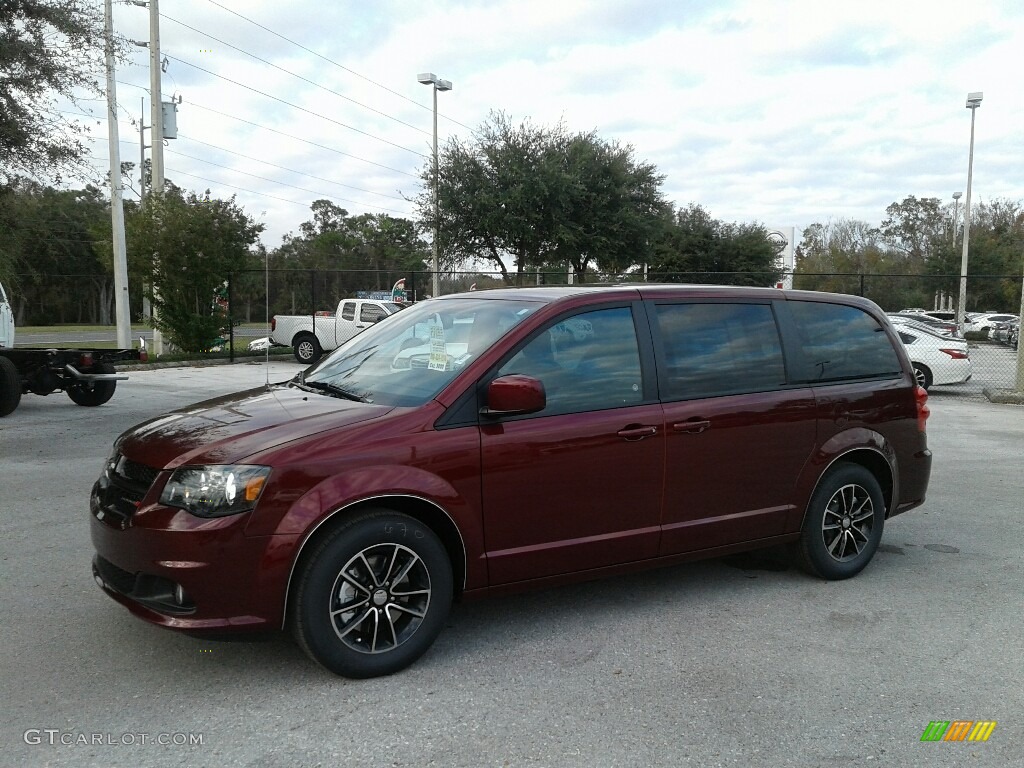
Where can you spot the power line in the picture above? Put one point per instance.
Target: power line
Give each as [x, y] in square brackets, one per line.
[286, 135]
[263, 162]
[305, 141]
[336, 64]
[295, 106]
[264, 194]
[295, 75]
[272, 181]
[290, 170]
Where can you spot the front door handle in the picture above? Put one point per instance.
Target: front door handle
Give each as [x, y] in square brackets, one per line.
[638, 432]
[693, 426]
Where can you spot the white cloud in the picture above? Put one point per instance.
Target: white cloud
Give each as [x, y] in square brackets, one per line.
[788, 112]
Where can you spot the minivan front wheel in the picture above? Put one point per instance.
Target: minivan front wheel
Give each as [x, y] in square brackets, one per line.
[843, 524]
[373, 596]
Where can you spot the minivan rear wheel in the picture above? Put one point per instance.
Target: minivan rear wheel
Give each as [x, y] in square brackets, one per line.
[373, 596]
[843, 524]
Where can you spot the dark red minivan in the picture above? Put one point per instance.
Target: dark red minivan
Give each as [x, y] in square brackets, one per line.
[502, 439]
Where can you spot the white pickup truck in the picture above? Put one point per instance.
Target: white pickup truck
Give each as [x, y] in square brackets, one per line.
[310, 336]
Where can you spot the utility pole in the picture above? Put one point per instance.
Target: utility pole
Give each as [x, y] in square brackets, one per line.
[147, 310]
[156, 119]
[156, 135]
[142, 151]
[121, 303]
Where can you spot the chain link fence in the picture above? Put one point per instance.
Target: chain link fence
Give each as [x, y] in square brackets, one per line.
[68, 303]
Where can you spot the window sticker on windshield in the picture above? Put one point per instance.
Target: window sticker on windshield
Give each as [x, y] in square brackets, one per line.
[438, 351]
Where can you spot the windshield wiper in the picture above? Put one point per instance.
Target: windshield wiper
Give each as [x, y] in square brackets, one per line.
[333, 390]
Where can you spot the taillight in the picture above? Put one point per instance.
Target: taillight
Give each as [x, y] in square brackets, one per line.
[273, 323]
[923, 412]
[956, 354]
[85, 360]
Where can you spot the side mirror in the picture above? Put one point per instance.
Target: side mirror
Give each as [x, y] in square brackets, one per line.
[514, 395]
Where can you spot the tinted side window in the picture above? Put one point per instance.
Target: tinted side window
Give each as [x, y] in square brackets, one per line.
[587, 362]
[719, 349]
[369, 313]
[838, 343]
[348, 310]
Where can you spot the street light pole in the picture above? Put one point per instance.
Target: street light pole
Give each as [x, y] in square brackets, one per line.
[956, 210]
[973, 102]
[429, 78]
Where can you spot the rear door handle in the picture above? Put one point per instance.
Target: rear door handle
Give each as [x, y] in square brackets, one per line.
[637, 432]
[693, 426]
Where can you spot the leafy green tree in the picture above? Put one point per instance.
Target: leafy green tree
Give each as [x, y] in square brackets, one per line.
[524, 196]
[609, 206]
[996, 255]
[346, 253]
[697, 248]
[48, 48]
[51, 253]
[918, 230]
[186, 245]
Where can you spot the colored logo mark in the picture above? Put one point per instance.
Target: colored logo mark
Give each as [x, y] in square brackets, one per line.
[958, 730]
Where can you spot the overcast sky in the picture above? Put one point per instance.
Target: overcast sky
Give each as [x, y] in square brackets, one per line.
[779, 111]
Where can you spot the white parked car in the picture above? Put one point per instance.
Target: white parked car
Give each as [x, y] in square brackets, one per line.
[936, 359]
[985, 322]
[260, 345]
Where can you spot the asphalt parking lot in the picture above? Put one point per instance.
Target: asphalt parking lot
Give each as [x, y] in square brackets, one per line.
[735, 662]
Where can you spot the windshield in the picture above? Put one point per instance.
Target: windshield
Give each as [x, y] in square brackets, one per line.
[409, 357]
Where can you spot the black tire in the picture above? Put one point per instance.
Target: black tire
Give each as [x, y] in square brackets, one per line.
[307, 348]
[923, 375]
[93, 393]
[843, 524]
[10, 387]
[391, 622]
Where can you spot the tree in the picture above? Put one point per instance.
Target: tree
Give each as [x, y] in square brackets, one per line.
[48, 48]
[611, 206]
[694, 247]
[51, 252]
[347, 254]
[187, 245]
[916, 228]
[832, 256]
[524, 196]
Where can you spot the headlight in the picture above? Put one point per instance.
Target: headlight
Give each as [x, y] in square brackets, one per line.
[215, 491]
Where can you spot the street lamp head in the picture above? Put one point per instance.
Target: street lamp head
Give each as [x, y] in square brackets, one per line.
[429, 78]
[957, 195]
[974, 99]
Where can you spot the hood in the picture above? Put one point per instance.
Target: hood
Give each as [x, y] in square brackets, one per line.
[228, 429]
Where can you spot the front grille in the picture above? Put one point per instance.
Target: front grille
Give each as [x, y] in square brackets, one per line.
[120, 490]
[135, 476]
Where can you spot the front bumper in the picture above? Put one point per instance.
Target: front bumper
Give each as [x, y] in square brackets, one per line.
[176, 570]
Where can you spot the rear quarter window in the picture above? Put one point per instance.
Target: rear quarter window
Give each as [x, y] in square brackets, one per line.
[837, 342]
